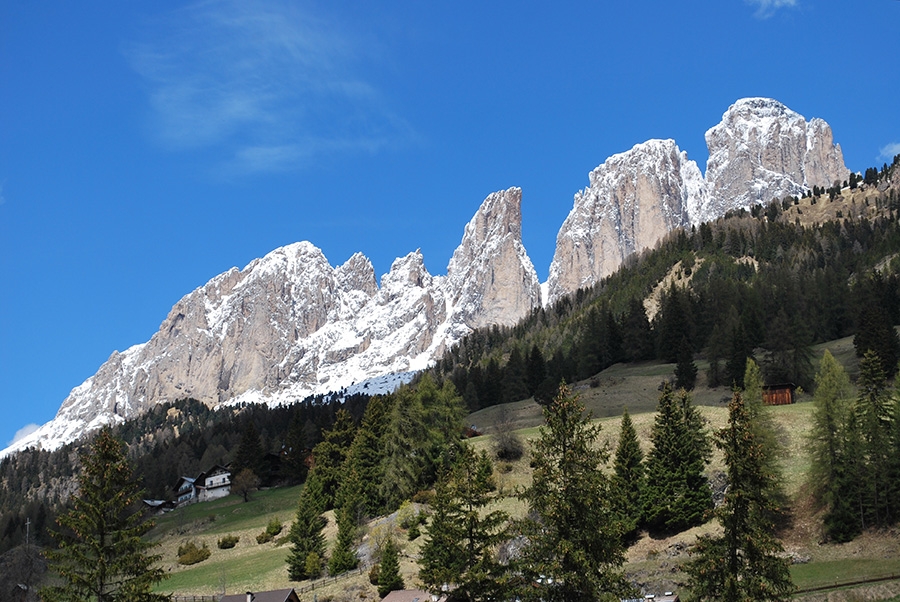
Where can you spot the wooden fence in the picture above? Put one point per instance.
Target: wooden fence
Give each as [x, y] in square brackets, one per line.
[320, 583]
[313, 585]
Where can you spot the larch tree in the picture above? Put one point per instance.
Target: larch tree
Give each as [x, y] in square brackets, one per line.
[574, 549]
[765, 431]
[827, 444]
[745, 563]
[102, 555]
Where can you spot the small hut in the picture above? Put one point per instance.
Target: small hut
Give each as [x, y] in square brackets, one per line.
[779, 395]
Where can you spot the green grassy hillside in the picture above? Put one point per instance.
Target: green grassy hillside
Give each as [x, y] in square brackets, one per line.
[651, 563]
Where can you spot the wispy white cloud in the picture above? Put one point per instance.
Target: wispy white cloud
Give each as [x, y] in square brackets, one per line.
[767, 8]
[890, 151]
[23, 432]
[269, 81]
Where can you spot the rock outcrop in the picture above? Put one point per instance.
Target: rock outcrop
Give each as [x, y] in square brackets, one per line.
[633, 200]
[761, 150]
[290, 325]
[490, 277]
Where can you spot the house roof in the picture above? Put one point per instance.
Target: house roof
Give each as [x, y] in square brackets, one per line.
[276, 595]
[183, 480]
[409, 595]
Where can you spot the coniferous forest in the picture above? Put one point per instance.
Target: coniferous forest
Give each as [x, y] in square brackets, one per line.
[750, 294]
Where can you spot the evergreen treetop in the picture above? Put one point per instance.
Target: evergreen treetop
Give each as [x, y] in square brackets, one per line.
[102, 554]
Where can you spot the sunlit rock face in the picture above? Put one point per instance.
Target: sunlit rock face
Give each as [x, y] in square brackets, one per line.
[290, 325]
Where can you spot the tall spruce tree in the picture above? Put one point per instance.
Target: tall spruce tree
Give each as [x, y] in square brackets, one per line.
[404, 461]
[296, 451]
[101, 554]
[389, 578]
[349, 508]
[536, 369]
[367, 453]
[249, 453]
[745, 562]
[677, 495]
[306, 531]
[515, 384]
[685, 368]
[628, 478]
[574, 549]
[330, 454]
[460, 550]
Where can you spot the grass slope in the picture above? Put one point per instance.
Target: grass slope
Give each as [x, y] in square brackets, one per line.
[651, 563]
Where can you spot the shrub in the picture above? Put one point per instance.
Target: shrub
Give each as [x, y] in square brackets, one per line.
[413, 532]
[407, 515]
[373, 573]
[272, 529]
[228, 541]
[313, 565]
[508, 446]
[425, 496]
[189, 553]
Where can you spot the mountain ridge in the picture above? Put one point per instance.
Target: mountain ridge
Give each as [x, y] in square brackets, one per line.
[290, 325]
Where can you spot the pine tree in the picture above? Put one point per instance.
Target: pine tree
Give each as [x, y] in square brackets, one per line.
[745, 562]
[296, 451]
[367, 453]
[739, 352]
[673, 323]
[875, 324]
[628, 478]
[536, 369]
[249, 452]
[101, 553]
[330, 453]
[403, 439]
[685, 369]
[515, 386]
[460, 548]
[306, 531]
[637, 339]
[677, 495]
[389, 578]
[574, 549]
[349, 506]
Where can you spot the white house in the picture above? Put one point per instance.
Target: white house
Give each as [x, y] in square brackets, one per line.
[208, 485]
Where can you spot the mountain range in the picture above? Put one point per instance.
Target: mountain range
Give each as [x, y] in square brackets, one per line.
[290, 325]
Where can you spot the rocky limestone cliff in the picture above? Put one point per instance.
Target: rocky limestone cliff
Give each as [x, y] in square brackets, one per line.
[490, 275]
[762, 150]
[759, 151]
[634, 198]
[290, 325]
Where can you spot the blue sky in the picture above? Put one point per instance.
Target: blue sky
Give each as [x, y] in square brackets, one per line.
[147, 147]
